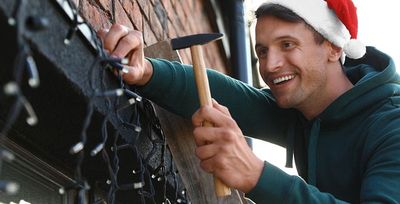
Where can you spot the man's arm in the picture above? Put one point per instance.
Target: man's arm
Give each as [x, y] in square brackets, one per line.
[172, 86]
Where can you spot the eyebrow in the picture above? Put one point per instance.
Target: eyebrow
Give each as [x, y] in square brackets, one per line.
[277, 39]
[258, 45]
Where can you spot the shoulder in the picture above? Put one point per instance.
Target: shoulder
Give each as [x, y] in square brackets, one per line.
[383, 129]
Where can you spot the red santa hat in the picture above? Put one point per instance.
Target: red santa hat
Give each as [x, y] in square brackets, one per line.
[336, 20]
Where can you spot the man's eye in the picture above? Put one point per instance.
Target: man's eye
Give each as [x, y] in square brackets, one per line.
[287, 45]
[261, 52]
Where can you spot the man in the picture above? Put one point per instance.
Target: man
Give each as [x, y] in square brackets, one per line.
[341, 122]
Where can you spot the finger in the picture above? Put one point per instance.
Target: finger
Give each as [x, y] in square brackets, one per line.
[221, 108]
[214, 165]
[206, 151]
[207, 165]
[133, 75]
[213, 115]
[130, 43]
[101, 33]
[214, 135]
[198, 117]
[112, 38]
[203, 135]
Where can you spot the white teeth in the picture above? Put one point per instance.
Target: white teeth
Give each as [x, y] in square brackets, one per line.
[281, 79]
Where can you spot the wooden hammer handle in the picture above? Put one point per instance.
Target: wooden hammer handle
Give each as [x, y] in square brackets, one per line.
[204, 93]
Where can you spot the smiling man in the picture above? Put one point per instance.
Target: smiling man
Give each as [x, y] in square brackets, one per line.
[338, 116]
[300, 67]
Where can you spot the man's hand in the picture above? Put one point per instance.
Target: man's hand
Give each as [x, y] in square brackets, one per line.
[122, 42]
[223, 150]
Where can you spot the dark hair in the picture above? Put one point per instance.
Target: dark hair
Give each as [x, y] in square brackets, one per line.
[288, 15]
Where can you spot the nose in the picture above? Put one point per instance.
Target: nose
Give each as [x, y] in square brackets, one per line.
[272, 62]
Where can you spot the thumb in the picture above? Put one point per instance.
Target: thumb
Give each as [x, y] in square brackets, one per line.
[221, 108]
[101, 33]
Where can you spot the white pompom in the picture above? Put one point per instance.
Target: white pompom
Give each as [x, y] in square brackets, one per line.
[354, 49]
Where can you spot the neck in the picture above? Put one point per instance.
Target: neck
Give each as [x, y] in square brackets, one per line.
[337, 84]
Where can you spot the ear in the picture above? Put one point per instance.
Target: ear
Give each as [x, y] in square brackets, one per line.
[334, 52]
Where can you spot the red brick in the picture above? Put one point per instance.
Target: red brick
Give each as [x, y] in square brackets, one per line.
[191, 3]
[145, 8]
[180, 13]
[158, 19]
[171, 30]
[159, 23]
[148, 35]
[133, 10]
[180, 28]
[94, 16]
[193, 25]
[121, 16]
[148, 11]
[104, 5]
[196, 4]
[168, 8]
[173, 2]
[185, 56]
[187, 10]
[204, 27]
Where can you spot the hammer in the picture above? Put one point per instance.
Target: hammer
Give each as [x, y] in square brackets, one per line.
[200, 75]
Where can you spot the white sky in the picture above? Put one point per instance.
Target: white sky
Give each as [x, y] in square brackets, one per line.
[378, 27]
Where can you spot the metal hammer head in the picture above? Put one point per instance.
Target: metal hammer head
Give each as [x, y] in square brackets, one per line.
[197, 39]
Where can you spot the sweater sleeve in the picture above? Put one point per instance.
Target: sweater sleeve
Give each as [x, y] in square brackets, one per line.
[276, 186]
[172, 87]
[381, 159]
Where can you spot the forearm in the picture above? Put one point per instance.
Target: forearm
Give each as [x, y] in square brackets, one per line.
[172, 86]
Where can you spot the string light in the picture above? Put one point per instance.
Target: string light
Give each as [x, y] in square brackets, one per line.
[142, 116]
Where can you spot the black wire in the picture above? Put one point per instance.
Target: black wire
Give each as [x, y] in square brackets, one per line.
[12, 116]
[112, 108]
[113, 11]
[20, 100]
[115, 163]
[78, 147]
[163, 168]
[12, 20]
[140, 172]
[19, 64]
[75, 22]
[104, 134]
[134, 124]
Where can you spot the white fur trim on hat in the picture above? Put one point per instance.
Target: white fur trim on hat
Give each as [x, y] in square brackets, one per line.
[354, 49]
[324, 20]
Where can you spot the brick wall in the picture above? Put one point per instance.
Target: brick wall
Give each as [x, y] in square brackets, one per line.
[158, 20]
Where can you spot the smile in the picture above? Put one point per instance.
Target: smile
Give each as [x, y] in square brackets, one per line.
[282, 79]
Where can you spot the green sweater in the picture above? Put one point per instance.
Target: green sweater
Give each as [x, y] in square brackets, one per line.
[349, 153]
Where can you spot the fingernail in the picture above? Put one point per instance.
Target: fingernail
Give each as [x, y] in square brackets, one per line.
[114, 56]
[124, 60]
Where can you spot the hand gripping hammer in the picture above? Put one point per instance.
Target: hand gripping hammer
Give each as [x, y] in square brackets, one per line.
[195, 42]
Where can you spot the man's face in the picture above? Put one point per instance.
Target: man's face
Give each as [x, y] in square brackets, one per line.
[292, 64]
